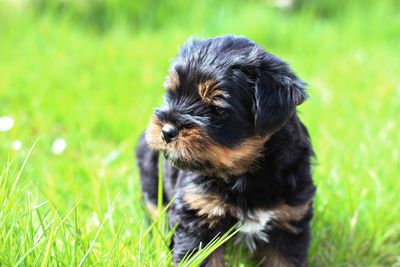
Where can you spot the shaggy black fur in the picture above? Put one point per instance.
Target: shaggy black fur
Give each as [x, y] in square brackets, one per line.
[257, 97]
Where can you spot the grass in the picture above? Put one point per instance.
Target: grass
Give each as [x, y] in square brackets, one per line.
[62, 78]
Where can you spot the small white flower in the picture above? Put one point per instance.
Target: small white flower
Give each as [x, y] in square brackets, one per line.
[95, 219]
[92, 222]
[16, 145]
[126, 235]
[59, 146]
[108, 215]
[6, 123]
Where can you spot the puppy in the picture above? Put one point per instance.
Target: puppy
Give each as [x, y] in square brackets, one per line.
[235, 152]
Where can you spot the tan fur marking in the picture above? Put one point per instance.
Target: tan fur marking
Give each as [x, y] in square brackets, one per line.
[271, 258]
[210, 206]
[210, 93]
[285, 214]
[195, 145]
[153, 134]
[216, 258]
[172, 81]
[152, 209]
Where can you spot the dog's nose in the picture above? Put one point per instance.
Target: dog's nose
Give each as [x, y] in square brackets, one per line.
[169, 132]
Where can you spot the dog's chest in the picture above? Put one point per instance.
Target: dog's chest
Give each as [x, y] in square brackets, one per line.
[257, 222]
[254, 224]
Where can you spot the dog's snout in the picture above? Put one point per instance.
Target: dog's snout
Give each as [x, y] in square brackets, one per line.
[169, 133]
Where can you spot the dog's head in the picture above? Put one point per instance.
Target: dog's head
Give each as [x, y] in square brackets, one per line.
[224, 97]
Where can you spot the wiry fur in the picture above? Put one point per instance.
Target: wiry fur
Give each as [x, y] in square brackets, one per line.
[241, 154]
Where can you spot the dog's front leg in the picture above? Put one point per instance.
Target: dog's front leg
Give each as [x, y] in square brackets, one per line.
[190, 234]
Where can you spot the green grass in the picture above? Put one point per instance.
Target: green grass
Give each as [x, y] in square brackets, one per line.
[62, 78]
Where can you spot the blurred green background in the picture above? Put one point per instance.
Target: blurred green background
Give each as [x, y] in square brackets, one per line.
[81, 79]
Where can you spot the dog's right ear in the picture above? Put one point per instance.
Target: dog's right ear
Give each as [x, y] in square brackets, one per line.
[277, 93]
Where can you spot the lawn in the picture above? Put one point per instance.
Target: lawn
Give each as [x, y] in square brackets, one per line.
[93, 81]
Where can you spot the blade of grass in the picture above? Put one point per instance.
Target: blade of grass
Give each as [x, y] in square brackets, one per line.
[202, 253]
[22, 168]
[52, 237]
[97, 233]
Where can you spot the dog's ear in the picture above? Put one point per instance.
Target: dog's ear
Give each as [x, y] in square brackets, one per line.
[277, 93]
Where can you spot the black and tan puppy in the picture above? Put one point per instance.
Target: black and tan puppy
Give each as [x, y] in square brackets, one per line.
[235, 150]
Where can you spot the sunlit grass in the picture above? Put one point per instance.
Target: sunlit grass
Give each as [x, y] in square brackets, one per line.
[96, 91]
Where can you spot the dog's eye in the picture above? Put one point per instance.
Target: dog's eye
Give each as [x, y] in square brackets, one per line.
[220, 111]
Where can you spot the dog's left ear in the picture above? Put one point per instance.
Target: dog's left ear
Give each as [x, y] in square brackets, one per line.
[277, 93]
